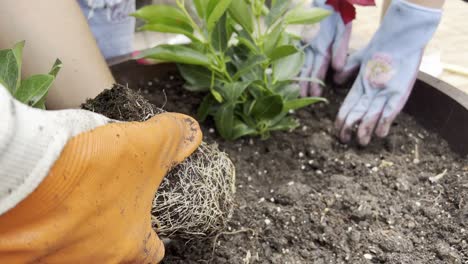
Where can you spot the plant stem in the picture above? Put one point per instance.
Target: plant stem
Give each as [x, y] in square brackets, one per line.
[192, 22]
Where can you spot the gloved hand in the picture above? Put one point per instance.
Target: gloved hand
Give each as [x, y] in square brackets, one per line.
[93, 206]
[388, 68]
[329, 46]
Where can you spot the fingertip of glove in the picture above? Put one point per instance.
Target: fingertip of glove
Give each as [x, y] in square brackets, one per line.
[364, 138]
[340, 78]
[191, 135]
[383, 128]
[315, 89]
[382, 132]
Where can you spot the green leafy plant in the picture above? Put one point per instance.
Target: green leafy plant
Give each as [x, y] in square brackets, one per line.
[32, 90]
[242, 54]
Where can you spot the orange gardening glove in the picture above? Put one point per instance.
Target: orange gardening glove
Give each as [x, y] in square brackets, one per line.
[94, 205]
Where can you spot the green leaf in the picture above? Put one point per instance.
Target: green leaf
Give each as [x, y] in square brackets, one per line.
[167, 19]
[205, 107]
[241, 12]
[232, 91]
[308, 79]
[197, 77]
[282, 51]
[9, 71]
[56, 68]
[41, 104]
[219, 36]
[34, 89]
[278, 9]
[18, 52]
[273, 37]
[248, 65]
[224, 120]
[288, 67]
[241, 129]
[245, 39]
[217, 95]
[200, 6]
[249, 44]
[216, 9]
[169, 29]
[287, 123]
[247, 107]
[176, 53]
[288, 90]
[302, 102]
[268, 107]
[306, 16]
[164, 14]
[285, 39]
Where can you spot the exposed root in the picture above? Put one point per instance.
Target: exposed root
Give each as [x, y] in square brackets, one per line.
[196, 198]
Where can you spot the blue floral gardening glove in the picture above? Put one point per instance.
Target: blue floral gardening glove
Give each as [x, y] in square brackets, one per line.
[328, 47]
[388, 68]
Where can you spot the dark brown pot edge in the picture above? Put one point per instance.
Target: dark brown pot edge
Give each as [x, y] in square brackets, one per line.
[441, 108]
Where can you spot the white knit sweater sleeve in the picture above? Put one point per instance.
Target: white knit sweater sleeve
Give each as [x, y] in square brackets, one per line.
[31, 140]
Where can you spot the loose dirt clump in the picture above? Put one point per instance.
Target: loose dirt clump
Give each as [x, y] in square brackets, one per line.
[123, 104]
[302, 197]
[195, 199]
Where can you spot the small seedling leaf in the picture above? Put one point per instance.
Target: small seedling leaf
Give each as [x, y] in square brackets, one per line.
[232, 91]
[241, 129]
[306, 16]
[9, 71]
[302, 102]
[277, 10]
[282, 51]
[241, 12]
[273, 37]
[205, 107]
[176, 53]
[219, 37]
[56, 68]
[288, 67]
[216, 9]
[18, 52]
[163, 14]
[248, 65]
[286, 123]
[267, 107]
[224, 120]
[169, 29]
[34, 89]
[217, 95]
[200, 6]
[287, 90]
[198, 78]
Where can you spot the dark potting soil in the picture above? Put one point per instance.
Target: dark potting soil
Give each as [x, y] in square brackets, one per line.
[122, 103]
[302, 197]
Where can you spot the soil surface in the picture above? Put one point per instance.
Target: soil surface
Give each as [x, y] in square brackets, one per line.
[302, 197]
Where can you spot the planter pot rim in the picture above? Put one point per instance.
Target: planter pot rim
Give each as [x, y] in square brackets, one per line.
[436, 105]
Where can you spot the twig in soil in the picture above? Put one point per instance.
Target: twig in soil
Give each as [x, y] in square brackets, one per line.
[435, 200]
[247, 258]
[416, 153]
[227, 233]
[165, 99]
[438, 177]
